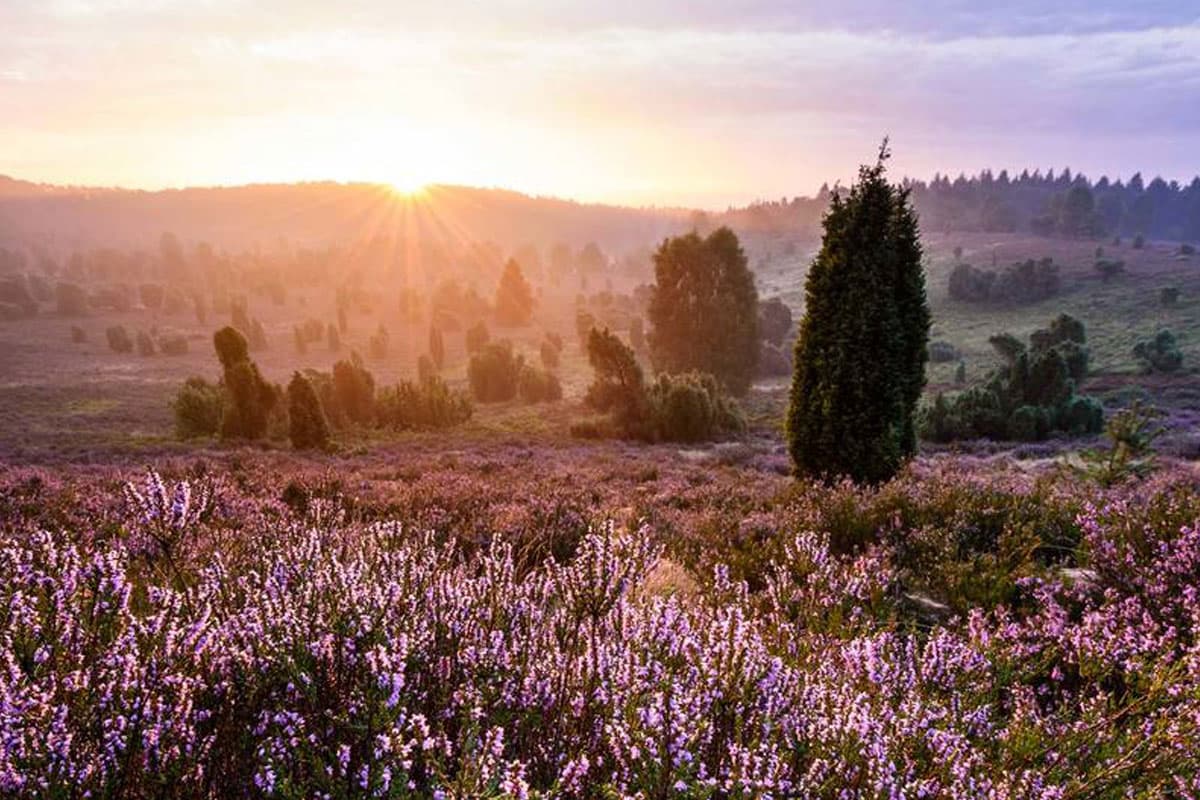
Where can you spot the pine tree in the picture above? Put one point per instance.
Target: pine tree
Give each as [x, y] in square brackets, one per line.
[514, 297]
[861, 353]
[307, 427]
[704, 309]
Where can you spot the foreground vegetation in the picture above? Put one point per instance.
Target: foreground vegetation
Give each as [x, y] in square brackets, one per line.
[638, 626]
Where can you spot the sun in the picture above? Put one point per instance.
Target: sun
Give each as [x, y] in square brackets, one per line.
[408, 187]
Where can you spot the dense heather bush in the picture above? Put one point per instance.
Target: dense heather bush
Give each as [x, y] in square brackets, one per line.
[425, 404]
[1024, 282]
[119, 340]
[494, 372]
[1160, 354]
[239, 646]
[1031, 396]
[307, 426]
[198, 407]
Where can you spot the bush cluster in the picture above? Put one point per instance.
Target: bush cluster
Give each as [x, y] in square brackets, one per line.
[1159, 354]
[1032, 395]
[1023, 282]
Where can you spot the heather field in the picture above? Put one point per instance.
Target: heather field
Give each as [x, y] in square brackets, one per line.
[595, 620]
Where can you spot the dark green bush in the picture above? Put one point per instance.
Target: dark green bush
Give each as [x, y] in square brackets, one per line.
[1160, 354]
[494, 372]
[145, 345]
[307, 427]
[427, 403]
[538, 385]
[943, 352]
[78, 334]
[353, 391]
[1023, 282]
[691, 408]
[198, 408]
[119, 339]
[550, 355]
[1032, 395]
[1109, 268]
[1169, 296]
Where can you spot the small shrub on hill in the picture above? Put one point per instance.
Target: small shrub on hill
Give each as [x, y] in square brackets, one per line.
[1160, 354]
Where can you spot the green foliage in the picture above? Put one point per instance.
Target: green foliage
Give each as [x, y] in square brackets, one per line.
[425, 368]
[774, 321]
[198, 407]
[585, 323]
[1160, 354]
[1021, 283]
[307, 427]
[960, 373]
[173, 345]
[78, 334]
[1169, 296]
[538, 385]
[231, 346]
[71, 299]
[773, 362]
[353, 390]
[682, 408]
[514, 297]
[1027, 398]
[426, 404]
[618, 387]
[476, 337]
[119, 339]
[704, 309]
[691, 408]
[1139, 242]
[859, 374]
[1131, 433]
[493, 373]
[251, 400]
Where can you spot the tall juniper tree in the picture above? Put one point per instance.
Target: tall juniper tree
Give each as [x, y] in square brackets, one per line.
[861, 353]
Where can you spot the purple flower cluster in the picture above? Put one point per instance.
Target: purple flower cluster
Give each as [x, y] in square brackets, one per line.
[328, 654]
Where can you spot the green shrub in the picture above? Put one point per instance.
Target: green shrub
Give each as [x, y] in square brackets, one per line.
[379, 342]
[1029, 397]
[1160, 354]
[119, 339]
[1169, 296]
[550, 355]
[538, 385]
[437, 348]
[428, 403]
[353, 390]
[1109, 268]
[1139, 242]
[78, 334]
[691, 408]
[198, 408]
[493, 373]
[307, 427]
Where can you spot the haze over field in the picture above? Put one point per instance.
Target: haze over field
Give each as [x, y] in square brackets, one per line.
[656, 400]
[663, 102]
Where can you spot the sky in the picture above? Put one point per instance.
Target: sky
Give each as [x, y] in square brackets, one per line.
[643, 102]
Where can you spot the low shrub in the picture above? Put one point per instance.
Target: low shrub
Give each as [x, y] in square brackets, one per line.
[426, 403]
[538, 385]
[1160, 354]
[119, 340]
[198, 407]
[494, 372]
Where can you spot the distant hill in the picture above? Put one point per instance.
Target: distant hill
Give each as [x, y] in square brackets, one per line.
[314, 213]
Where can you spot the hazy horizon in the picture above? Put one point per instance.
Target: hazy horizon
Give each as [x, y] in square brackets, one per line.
[661, 103]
